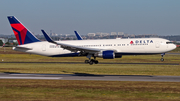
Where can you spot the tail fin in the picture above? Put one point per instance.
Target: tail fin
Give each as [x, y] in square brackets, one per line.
[23, 35]
[78, 35]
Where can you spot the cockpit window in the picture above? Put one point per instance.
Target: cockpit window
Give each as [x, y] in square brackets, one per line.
[169, 42]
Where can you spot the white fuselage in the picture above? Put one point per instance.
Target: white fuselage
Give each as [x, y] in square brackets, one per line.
[124, 46]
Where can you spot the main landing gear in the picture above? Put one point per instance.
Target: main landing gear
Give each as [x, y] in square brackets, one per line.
[91, 61]
[162, 59]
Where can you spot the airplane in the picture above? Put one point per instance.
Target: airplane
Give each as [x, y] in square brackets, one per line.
[104, 48]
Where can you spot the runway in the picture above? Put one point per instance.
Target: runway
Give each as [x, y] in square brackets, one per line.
[84, 76]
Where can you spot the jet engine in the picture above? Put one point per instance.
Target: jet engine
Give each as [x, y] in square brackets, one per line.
[106, 54]
[109, 54]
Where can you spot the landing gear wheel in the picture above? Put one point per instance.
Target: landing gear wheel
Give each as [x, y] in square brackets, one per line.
[96, 62]
[90, 62]
[86, 61]
[162, 59]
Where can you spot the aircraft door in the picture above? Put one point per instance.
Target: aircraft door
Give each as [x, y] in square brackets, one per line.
[43, 47]
[157, 44]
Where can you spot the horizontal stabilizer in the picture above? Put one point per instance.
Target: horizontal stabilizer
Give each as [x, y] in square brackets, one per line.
[21, 48]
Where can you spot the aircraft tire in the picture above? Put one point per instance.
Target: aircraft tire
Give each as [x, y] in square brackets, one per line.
[86, 61]
[90, 62]
[96, 61]
[162, 59]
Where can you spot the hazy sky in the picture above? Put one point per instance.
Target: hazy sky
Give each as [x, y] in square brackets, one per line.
[161, 17]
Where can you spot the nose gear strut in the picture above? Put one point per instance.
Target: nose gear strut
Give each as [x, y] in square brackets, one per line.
[162, 59]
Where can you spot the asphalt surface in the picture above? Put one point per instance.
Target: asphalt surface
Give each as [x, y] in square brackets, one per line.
[84, 76]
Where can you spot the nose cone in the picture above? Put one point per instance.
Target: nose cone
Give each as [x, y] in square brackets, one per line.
[173, 46]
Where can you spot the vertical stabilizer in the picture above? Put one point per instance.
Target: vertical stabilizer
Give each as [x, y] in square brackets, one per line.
[23, 35]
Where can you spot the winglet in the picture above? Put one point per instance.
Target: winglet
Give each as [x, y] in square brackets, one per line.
[48, 38]
[78, 36]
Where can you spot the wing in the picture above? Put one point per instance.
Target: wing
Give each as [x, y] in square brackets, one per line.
[71, 47]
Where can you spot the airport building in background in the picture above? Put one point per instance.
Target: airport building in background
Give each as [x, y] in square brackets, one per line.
[91, 34]
[120, 33]
[113, 33]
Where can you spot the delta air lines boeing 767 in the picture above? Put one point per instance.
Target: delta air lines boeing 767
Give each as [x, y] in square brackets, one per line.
[104, 48]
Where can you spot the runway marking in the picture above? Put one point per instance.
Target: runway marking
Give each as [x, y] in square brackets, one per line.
[44, 78]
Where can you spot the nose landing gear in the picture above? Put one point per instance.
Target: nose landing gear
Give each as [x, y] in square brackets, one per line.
[162, 59]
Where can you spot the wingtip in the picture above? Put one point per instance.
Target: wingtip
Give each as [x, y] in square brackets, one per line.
[42, 30]
[47, 37]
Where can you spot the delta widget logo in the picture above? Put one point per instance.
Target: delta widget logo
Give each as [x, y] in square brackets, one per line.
[131, 42]
[141, 42]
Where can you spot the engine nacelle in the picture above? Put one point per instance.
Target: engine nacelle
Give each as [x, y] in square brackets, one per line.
[106, 54]
[117, 55]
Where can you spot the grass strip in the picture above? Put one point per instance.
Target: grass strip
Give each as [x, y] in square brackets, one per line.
[52, 90]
